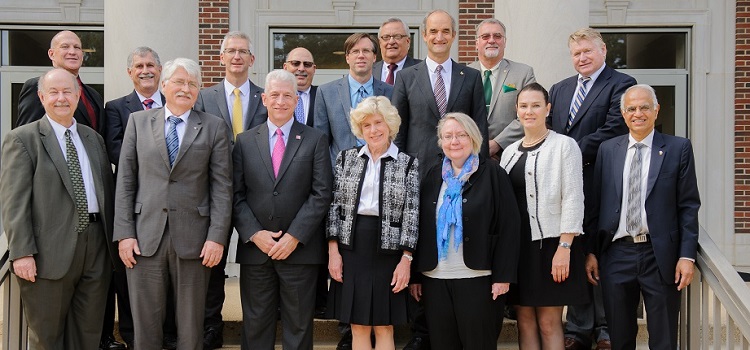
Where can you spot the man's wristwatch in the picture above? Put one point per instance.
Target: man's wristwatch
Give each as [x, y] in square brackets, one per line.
[565, 245]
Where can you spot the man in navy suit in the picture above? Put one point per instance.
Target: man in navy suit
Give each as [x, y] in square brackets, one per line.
[395, 41]
[337, 98]
[647, 227]
[300, 62]
[586, 107]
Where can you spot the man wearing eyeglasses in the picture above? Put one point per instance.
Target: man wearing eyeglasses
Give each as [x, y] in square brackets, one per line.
[394, 47]
[501, 79]
[337, 98]
[300, 62]
[238, 101]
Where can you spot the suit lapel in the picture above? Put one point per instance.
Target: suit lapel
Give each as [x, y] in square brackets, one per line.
[133, 103]
[157, 130]
[221, 101]
[502, 75]
[264, 148]
[657, 158]
[311, 107]
[193, 127]
[620, 153]
[377, 70]
[378, 88]
[457, 82]
[52, 146]
[425, 87]
[567, 89]
[292, 145]
[344, 97]
[252, 105]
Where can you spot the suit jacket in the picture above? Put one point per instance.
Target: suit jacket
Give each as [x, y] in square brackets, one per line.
[415, 101]
[502, 124]
[377, 68]
[37, 198]
[194, 196]
[332, 107]
[490, 223]
[212, 100]
[30, 107]
[117, 113]
[295, 202]
[598, 119]
[672, 199]
[311, 106]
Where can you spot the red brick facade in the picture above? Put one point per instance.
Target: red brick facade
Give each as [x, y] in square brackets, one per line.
[470, 13]
[742, 120]
[213, 24]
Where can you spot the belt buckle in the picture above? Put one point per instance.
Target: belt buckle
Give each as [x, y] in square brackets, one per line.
[640, 239]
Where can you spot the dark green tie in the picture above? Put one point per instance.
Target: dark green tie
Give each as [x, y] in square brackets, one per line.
[487, 88]
[79, 190]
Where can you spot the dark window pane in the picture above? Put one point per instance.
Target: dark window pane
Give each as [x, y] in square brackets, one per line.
[660, 50]
[29, 47]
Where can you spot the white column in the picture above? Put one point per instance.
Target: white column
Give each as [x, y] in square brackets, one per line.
[538, 33]
[170, 27]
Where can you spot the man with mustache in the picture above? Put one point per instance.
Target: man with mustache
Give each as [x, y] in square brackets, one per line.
[501, 79]
[394, 41]
[300, 62]
[144, 69]
[237, 100]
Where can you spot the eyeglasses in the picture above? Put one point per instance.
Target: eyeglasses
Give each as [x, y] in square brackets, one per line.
[459, 137]
[232, 52]
[643, 109]
[497, 36]
[296, 63]
[356, 52]
[190, 84]
[388, 37]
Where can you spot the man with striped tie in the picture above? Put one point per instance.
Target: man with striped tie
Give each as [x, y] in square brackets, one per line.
[586, 107]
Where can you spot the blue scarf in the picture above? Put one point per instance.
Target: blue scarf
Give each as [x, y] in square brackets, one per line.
[451, 213]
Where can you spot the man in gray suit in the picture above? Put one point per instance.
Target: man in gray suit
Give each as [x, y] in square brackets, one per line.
[56, 193]
[501, 79]
[173, 207]
[337, 98]
[237, 100]
[395, 41]
[282, 191]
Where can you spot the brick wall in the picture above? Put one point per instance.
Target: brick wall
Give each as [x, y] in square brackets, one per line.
[470, 13]
[213, 24]
[742, 120]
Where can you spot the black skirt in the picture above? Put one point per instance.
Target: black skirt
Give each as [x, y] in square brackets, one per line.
[366, 296]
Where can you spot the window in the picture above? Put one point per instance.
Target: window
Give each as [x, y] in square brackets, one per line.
[28, 47]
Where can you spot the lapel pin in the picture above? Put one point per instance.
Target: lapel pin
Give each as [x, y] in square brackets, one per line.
[461, 73]
[661, 153]
[298, 137]
[505, 71]
[195, 128]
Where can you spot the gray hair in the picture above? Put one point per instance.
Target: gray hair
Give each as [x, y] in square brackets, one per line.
[142, 51]
[40, 85]
[237, 35]
[192, 68]
[281, 75]
[491, 21]
[424, 21]
[393, 20]
[469, 126]
[371, 106]
[644, 87]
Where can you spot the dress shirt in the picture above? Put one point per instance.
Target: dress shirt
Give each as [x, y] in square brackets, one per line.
[244, 97]
[305, 97]
[645, 166]
[180, 127]
[156, 97]
[285, 129]
[493, 75]
[354, 89]
[384, 71]
[588, 85]
[446, 73]
[83, 159]
[369, 203]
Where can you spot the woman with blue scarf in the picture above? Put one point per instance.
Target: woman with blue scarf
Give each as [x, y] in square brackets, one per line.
[467, 253]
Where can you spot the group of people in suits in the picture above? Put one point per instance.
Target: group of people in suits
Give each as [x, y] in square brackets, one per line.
[273, 163]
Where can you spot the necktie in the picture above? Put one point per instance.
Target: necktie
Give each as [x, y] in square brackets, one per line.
[440, 97]
[633, 219]
[361, 95]
[391, 73]
[173, 142]
[148, 103]
[79, 190]
[278, 152]
[487, 88]
[236, 113]
[87, 105]
[578, 101]
[299, 111]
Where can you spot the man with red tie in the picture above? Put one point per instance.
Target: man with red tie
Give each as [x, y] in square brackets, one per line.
[65, 51]
[395, 41]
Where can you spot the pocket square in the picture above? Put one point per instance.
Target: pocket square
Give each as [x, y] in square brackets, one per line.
[509, 88]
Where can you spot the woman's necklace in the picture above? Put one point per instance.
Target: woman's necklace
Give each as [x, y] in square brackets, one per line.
[535, 142]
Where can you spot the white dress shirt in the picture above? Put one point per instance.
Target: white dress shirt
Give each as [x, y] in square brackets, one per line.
[446, 74]
[180, 127]
[645, 166]
[384, 71]
[588, 85]
[305, 97]
[156, 97]
[244, 97]
[369, 198]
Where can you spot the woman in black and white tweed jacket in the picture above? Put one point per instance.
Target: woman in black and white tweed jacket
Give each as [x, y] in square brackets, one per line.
[372, 227]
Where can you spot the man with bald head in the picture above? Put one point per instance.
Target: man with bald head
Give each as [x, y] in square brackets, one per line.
[56, 194]
[300, 62]
[65, 52]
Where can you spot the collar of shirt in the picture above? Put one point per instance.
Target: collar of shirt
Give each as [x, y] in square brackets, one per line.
[392, 152]
[354, 86]
[593, 77]
[494, 73]
[446, 74]
[384, 70]
[286, 129]
[647, 141]
[60, 130]
[156, 97]
[229, 90]
[183, 116]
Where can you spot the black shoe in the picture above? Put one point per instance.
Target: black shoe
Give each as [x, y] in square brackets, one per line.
[320, 313]
[346, 341]
[213, 338]
[110, 343]
[169, 342]
[418, 343]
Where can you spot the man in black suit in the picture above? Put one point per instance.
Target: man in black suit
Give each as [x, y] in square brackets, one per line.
[144, 69]
[419, 88]
[237, 100]
[300, 62]
[282, 191]
[65, 52]
[647, 227]
[586, 107]
[395, 41]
